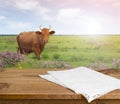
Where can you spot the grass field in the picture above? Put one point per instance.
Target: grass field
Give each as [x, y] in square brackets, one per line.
[70, 50]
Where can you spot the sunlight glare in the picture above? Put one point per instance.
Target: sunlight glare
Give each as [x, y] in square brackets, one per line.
[93, 27]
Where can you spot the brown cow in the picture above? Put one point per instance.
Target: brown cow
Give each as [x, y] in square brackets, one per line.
[33, 41]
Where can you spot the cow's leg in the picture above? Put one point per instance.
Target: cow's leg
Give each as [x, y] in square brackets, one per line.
[19, 50]
[36, 51]
[37, 54]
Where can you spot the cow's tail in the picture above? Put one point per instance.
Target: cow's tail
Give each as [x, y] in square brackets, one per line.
[19, 50]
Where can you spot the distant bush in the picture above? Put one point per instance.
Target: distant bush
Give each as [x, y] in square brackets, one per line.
[98, 65]
[45, 56]
[10, 59]
[56, 56]
[115, 63]
[55, 64]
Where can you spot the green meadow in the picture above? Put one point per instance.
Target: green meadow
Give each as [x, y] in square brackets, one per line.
[72, 51]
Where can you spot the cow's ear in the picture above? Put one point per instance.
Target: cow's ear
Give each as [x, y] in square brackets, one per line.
[38, 32]
[52, 32]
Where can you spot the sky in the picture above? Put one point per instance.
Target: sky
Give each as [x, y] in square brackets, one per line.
[70, 17]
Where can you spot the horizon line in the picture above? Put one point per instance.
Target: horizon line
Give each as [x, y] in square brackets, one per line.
[69, 34]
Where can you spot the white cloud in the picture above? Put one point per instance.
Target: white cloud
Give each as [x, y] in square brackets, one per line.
[18, 25]
[69, 15]
[14, 26]
[42, 12]
[26, 5]
[34, 6]
[84, 15]
[22, 4]
[80, 20]
[2, 17]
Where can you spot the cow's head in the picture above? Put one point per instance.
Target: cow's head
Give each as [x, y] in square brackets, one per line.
[45, 32]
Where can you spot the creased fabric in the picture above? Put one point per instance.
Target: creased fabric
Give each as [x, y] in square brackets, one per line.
[91, 84]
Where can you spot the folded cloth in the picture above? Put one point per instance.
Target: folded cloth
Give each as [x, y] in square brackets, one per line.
[91, 84]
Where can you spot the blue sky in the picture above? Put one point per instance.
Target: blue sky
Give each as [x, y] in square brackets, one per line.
[65, 16]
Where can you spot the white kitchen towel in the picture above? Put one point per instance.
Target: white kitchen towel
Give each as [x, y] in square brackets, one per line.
[91, 84]
[50, 78]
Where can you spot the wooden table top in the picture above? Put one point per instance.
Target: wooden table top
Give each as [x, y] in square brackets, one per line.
[19, 84]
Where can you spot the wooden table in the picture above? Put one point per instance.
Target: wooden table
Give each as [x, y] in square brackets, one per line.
[25, 87]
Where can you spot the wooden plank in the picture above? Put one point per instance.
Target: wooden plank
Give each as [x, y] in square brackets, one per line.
[19, 84]
[26, 86]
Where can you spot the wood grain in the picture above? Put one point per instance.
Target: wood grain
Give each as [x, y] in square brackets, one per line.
[25, 86]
